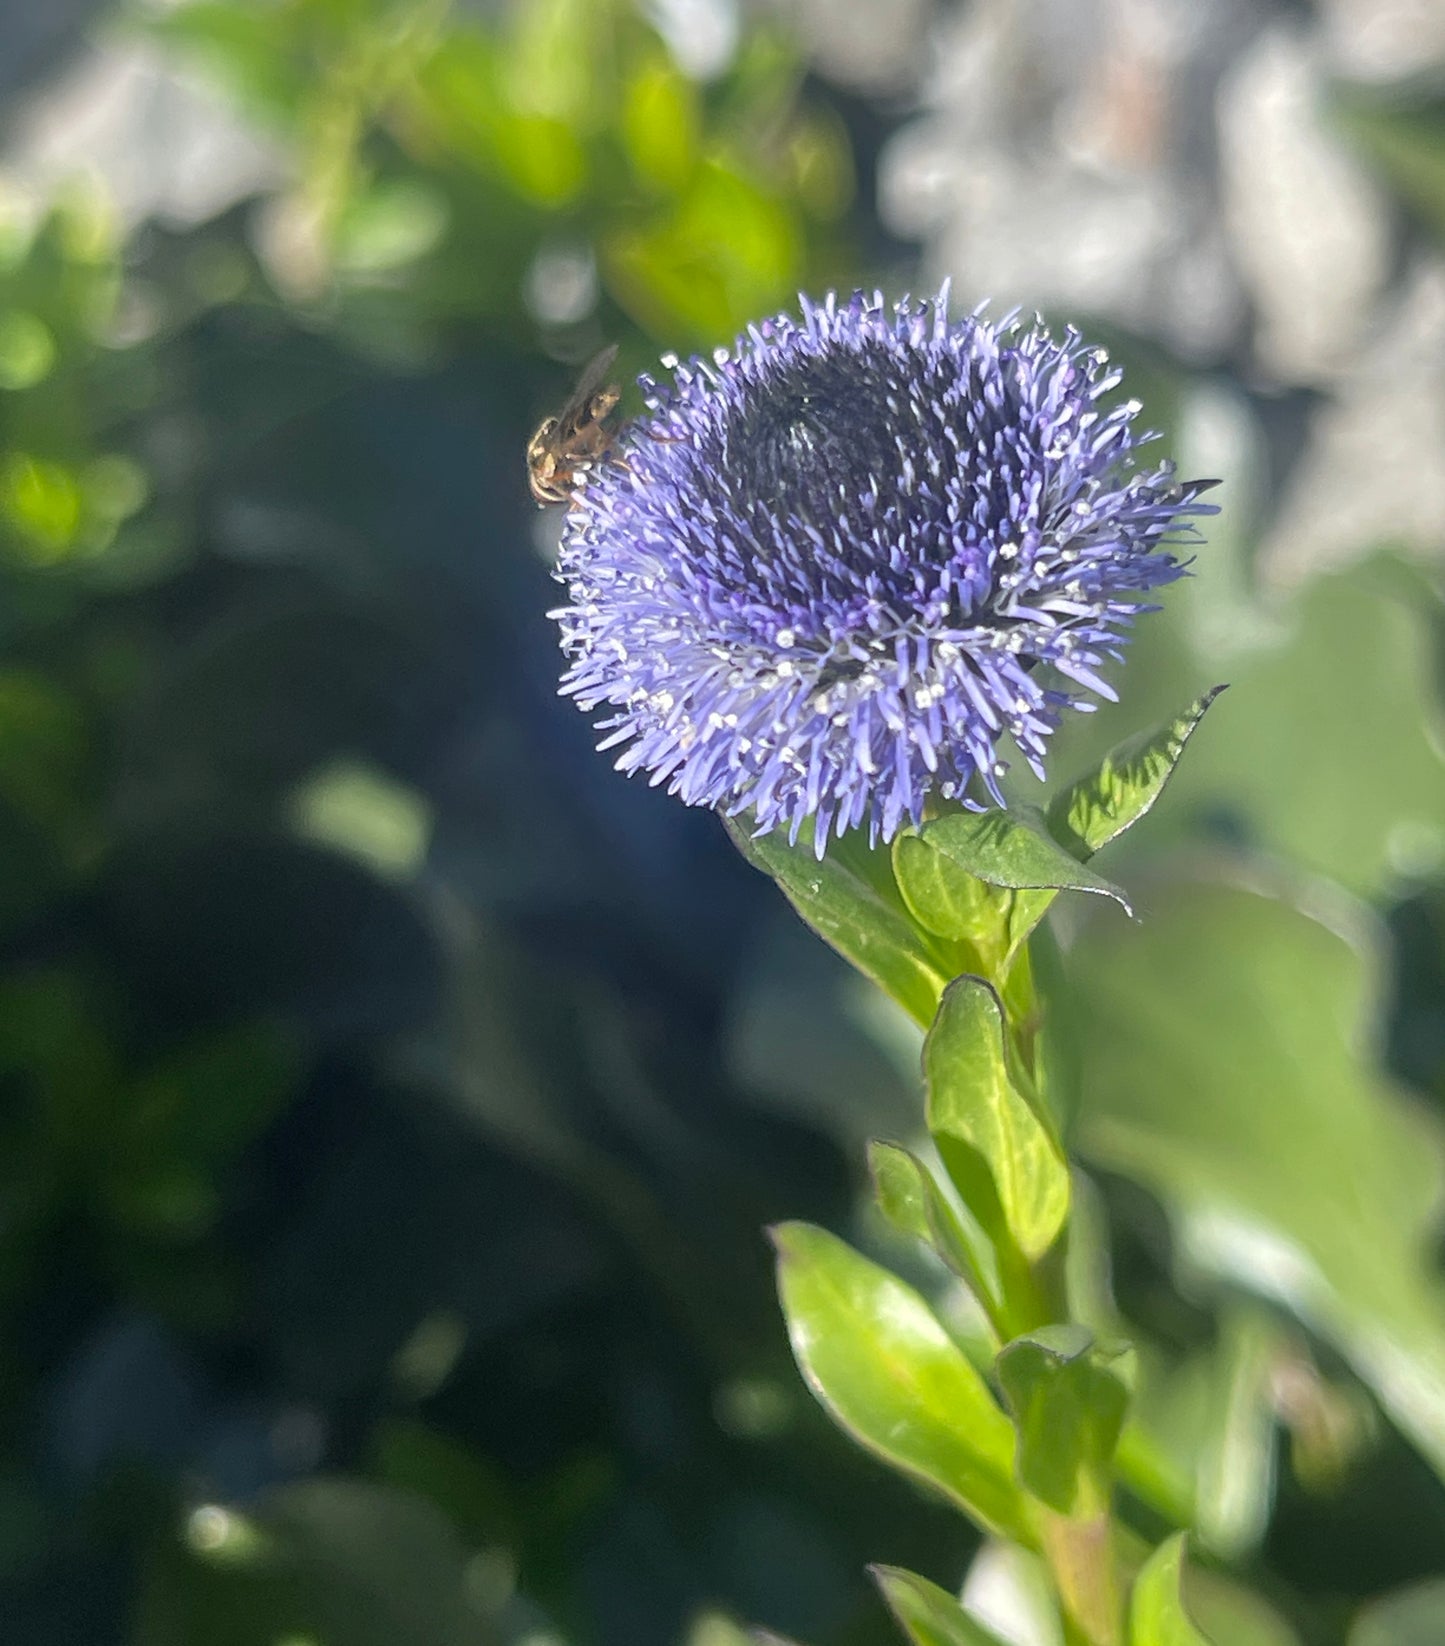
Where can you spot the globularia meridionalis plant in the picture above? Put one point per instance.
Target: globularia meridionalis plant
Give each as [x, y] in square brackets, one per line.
[827, 584]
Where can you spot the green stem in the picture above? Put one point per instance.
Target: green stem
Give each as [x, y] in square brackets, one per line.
[1079, 1548]
[1028, 1300]
[1081, 1556]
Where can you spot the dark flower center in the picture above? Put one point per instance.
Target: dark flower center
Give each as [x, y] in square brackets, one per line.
[819, 436]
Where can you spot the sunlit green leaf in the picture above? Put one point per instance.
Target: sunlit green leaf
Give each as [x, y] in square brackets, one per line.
[1156, 1608]
[998, 1146]
[365, 812]
[928, 1615]
[1098, 808]
[881, 1363]
[244, 47]
[27, 349]
[725, 250]
[42, 502]
[544, 159]
[553, 52]
[660, 124]
[460, 99]
[947, 900]
[1068, 1402]
[1236, 1469]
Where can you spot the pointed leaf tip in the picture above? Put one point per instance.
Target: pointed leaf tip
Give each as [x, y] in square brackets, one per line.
[928, 1615]
[1088, 814]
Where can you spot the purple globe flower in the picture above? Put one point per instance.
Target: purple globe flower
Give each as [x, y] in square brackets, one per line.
[832, 571]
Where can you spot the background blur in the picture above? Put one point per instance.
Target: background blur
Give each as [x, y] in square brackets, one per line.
[391, 1096]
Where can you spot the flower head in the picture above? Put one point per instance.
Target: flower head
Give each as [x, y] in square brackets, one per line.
[833, 569]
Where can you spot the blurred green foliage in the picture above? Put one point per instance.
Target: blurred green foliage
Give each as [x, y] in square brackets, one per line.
[66, 491]
[391, 1099]
[450, 153]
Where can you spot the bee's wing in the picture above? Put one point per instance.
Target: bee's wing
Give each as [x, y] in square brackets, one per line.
[594, 374]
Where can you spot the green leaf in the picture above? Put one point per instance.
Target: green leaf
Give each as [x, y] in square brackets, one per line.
[1226, 1611]
[1068, 1404]
[389, 225]
[1225, 1065]
[210, 1098]
[928, 1615]
[1409, 1617]
[186, 1118]
[939, 868]
[948, 900]
[998, 1146]
[660, 123]
[726, 248]
[849, 898]
[881, 1363]
[910, 1198]
[1098, 808]
[1156, 1608]
[1012, 850]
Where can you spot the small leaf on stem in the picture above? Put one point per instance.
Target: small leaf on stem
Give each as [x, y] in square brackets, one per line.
[911, 1199]
[883, 1366]
[1068, 1403]
[997, 1143]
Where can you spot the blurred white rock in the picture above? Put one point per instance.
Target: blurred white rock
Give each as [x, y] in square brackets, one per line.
[1383, 40]
[1065, 162]
[1373, 474]
[874, 46]
[158, 143]
[1308, 227]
